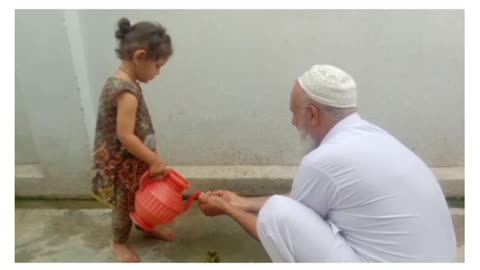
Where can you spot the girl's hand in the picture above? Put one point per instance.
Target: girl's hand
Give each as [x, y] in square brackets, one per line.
[159, 169]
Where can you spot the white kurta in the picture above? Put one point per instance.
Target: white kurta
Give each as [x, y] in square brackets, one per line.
[360, 196]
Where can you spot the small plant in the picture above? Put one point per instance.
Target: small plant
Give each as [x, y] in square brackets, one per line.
[213, 257]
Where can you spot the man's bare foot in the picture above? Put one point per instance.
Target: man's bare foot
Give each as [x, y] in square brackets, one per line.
[125, 253]
[162, 233]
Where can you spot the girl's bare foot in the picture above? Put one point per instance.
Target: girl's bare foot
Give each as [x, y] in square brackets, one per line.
[125, 253]
[162, 233]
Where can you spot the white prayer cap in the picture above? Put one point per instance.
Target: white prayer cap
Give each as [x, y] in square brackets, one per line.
[330, 86]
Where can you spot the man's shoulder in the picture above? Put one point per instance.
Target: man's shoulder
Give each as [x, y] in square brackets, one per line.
[318, 157]
[340, 151]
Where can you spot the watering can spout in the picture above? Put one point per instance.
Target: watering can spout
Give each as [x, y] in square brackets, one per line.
[190, 201]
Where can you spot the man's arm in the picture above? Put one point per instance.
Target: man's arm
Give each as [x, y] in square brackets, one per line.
[247, 220]
[212, 204]
[238, 208]
[251, 204]
[248, 204]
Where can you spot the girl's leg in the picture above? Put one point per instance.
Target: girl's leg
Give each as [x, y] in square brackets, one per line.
[162, 232]
[121, 225]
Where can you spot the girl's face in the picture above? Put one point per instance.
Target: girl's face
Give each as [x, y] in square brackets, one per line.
[147, 69]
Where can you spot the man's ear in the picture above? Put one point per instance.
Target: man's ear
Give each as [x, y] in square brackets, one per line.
[139, 55]
[313, 115]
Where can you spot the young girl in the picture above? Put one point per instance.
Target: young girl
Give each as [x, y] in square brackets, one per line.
[125, 138]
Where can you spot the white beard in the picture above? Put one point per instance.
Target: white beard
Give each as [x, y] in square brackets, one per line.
[307, 142]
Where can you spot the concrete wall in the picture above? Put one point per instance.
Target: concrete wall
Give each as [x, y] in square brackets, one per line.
[49, 97]
[223, 98]
[25, 151]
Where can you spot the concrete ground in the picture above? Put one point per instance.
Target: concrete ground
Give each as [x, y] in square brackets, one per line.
[79, 231]
[83, 235]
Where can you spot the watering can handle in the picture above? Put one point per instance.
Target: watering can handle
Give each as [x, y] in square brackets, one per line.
[146, 179]
[191, 201]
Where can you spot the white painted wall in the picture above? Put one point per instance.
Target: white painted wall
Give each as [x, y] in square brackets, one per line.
[47, 83]
[25, 152]
[223, 98]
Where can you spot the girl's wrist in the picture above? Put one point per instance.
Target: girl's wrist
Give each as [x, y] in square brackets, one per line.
[153, 160]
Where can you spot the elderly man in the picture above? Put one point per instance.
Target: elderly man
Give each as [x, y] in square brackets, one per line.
[358, 196]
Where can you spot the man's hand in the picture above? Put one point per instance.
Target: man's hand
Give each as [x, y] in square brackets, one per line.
[213, 204]
[221, 203]
[232, 198]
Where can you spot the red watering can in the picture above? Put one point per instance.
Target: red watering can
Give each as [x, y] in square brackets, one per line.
[161, 201]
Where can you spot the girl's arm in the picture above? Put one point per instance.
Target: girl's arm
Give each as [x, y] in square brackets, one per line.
[126, 116]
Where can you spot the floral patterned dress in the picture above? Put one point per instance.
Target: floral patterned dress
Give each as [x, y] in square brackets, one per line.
[114, 167]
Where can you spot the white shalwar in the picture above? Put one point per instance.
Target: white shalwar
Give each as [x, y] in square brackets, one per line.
[360, 196]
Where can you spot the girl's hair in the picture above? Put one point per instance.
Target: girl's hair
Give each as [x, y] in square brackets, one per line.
[151, 37]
